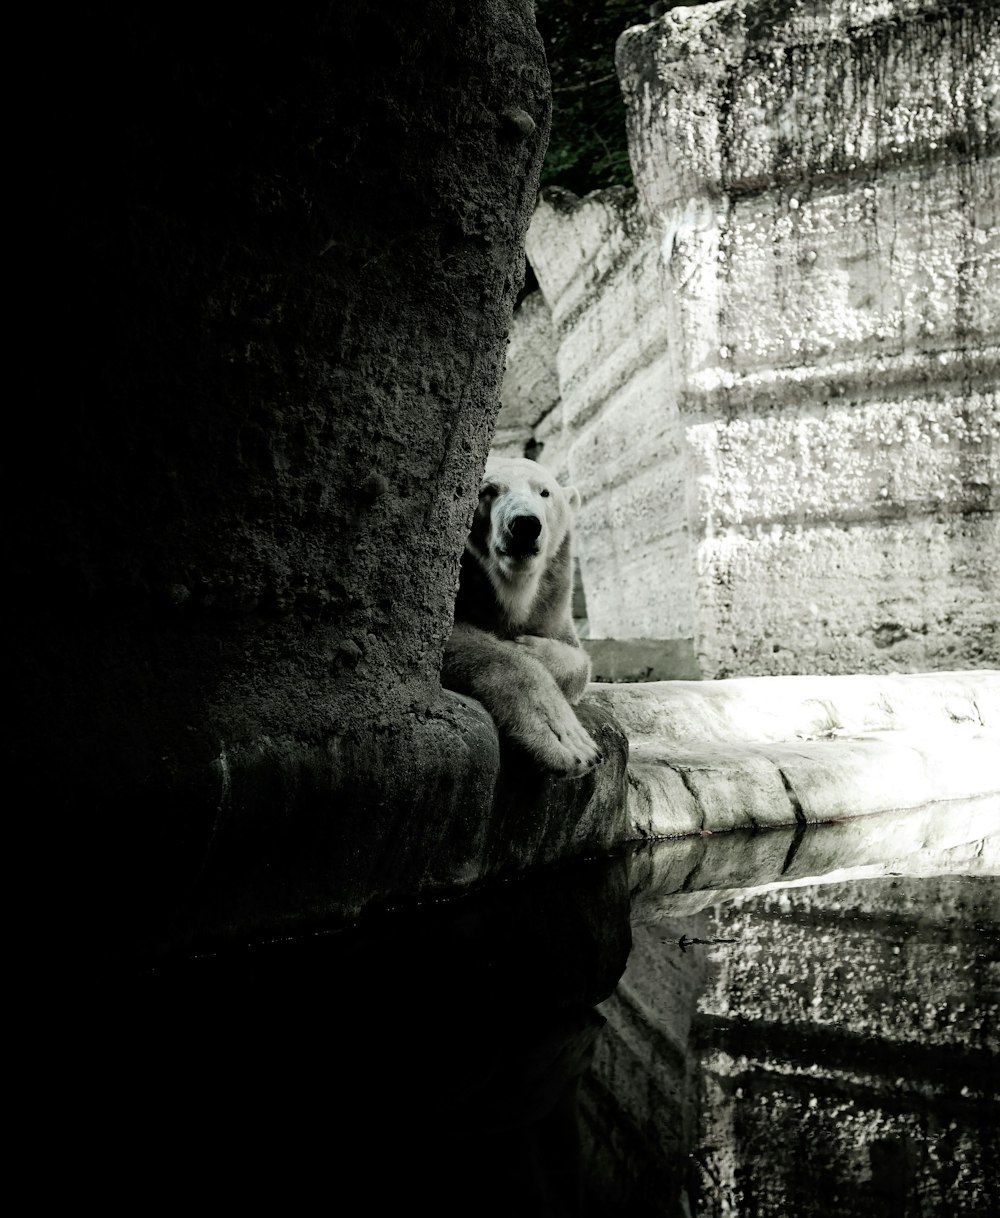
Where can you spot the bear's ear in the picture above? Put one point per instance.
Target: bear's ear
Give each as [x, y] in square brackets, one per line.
[573, 498]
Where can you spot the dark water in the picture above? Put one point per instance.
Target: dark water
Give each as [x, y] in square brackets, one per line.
[606, 1040]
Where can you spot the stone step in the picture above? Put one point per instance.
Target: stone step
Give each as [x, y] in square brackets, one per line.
[768, 752]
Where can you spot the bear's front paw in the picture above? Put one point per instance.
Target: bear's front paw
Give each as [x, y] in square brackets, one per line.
[560, 742]
[581, 754]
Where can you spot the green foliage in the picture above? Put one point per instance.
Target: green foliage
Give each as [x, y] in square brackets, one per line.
[587, 149]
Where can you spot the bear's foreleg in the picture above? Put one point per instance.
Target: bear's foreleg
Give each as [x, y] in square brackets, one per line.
[521, 695]
[569, 665]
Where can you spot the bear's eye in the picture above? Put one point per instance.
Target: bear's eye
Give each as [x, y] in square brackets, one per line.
[544, 494]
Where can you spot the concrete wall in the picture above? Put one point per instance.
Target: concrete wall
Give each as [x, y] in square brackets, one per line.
[778, 361]
[530, 390]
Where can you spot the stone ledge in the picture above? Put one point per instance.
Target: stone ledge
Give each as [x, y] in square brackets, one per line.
[312, 836]
[768, 752]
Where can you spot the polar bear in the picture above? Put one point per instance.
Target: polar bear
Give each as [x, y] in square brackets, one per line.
[513, 646]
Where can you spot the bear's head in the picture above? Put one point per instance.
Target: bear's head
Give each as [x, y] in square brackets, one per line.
[523, 518]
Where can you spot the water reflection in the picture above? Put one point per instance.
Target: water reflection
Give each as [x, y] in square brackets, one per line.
[698, 1028]
[823, 1048]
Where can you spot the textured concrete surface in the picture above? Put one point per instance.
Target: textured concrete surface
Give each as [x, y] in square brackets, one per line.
[530, 388]
[630, 660]
[619, 437]
[778, 360]
[778, 751]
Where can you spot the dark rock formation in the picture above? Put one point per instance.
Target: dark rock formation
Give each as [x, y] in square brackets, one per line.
[285, 249]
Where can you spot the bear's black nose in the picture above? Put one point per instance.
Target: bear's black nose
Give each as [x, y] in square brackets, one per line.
[524, 532]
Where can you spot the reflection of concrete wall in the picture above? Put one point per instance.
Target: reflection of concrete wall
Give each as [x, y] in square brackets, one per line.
[640, 1102]
[833, 1052]
[849, 1043]
[778, 364]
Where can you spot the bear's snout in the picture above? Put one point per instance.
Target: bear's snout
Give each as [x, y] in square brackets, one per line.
[524, 531]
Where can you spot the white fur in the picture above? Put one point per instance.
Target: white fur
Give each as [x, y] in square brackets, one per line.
[516, 651]
[522, 488]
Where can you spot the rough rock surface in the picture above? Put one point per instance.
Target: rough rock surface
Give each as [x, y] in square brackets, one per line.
[779, 360]
[286, 255]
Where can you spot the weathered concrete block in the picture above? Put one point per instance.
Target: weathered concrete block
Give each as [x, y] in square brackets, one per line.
[634, 538]
[621, 438]
[876, 266]
[904, 596]
[823, 186]
[598, 274]
[779, 361]
[888, 460]
[530, 388]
